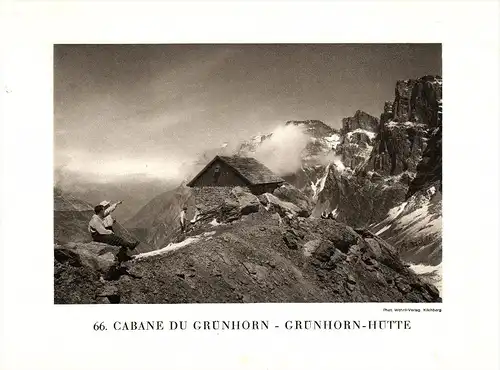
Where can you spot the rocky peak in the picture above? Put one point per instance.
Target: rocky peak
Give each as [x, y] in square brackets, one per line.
[314, 127]
[358, 133]
[251, 146]
[360, 120]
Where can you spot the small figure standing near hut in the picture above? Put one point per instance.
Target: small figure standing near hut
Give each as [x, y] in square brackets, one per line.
[182, 219]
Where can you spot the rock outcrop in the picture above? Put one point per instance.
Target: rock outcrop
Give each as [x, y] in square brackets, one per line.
[359, 200]
[362, 121]
[356, 144]
[418, 100]
[429, 169]
[406, 126]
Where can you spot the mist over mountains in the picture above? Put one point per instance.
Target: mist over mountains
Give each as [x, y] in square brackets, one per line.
[134, 190]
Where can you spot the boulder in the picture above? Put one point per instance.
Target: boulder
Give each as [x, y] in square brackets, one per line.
[229, 211]
[360, 120]
[100, 257]
[248, 202]
[291, 240]
[283, 208]
[374, 247]
[289, 193]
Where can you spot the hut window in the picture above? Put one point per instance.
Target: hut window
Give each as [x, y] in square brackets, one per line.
[216, 174]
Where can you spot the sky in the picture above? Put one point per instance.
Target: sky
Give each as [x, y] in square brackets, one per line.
[149, 110]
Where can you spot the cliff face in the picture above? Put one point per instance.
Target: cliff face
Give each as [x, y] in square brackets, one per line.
[401, 168]
[361, 120]
[418, 100]
[429, 169]
[406, 126]
[357, 139]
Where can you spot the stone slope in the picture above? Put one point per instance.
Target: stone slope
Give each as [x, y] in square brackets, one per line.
[256, 255]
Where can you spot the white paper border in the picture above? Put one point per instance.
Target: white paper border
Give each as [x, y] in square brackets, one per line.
[38, 335]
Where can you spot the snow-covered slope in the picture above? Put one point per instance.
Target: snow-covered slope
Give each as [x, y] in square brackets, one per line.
[414, 227]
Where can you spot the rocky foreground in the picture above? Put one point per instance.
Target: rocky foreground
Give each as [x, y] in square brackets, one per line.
[248, 249]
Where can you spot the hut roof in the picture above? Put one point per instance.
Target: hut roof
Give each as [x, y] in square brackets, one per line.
[249, 168]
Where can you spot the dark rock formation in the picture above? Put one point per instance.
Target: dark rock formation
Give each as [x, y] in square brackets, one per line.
[429, 169]
[356, 141]
[398, 148]
[360, 120]
[359, 200]
[406, 127]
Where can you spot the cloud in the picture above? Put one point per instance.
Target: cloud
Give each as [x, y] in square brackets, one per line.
[84, 167]
[282, 152]
[330, 158]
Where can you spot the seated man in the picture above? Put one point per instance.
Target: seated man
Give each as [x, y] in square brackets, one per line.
[101, 234]
[108, 208]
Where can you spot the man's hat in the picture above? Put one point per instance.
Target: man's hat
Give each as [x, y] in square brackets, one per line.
[104, 203]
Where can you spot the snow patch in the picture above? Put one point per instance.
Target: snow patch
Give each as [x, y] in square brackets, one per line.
[420, 222]
[320, 183]
[383, 229]
[333, 140]
[431, 191]
[168, 248]
[370, 134]
[214, 222]
[433, 274]
[340, 166]
[174, 246]
[399, 124]
[334, 137]
[395, 212]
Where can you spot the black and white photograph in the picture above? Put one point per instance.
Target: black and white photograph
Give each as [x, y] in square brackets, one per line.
[247, 173]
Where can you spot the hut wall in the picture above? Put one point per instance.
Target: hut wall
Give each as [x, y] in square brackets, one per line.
[263, 188]
[227, 177]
